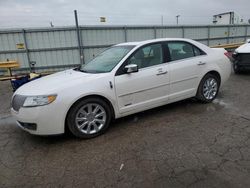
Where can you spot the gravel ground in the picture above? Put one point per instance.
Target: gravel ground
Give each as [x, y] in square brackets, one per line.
[185, 144]
[5, 98]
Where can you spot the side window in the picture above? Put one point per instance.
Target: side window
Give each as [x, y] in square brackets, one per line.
[147, 56]
[180, 50]
[198, 52]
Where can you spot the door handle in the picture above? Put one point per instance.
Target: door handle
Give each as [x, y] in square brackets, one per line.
[161, 72]
[201, 63]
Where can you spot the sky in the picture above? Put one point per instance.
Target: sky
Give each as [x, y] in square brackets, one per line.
[39, 13]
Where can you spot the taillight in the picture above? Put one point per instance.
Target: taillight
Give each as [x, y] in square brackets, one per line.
[228, 54]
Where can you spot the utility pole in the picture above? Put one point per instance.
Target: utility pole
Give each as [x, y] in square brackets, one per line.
[161, 20]
[79, 39]
[177, 19]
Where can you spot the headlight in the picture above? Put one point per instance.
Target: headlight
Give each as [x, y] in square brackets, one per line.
[32, 101]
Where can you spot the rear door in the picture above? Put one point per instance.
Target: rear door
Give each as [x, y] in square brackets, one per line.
[186, 63]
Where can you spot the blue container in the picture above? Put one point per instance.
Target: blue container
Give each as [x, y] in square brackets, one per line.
[21, 81]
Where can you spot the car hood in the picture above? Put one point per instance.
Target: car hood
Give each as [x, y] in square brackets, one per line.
[245, 48]
[56, 82]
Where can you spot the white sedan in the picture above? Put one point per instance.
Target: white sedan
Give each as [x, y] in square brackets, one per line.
[124, 79]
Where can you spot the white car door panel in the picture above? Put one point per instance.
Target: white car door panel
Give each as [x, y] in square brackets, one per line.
[142, 89]
[184, 69]
[146, 87]
[183, 77]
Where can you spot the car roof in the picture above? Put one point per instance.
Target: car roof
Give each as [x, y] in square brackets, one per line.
[139, 43]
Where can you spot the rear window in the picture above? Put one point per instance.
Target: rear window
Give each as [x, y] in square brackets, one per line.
[183, 50]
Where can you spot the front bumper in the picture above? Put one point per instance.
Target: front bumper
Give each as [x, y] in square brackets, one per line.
[42, 120]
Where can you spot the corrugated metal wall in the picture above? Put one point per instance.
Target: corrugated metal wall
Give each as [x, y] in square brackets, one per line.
[57, 48]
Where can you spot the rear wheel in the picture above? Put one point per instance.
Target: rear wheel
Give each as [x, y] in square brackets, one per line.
[208, 88]
[89, 118]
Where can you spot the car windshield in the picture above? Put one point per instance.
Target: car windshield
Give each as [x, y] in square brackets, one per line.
[106, 60]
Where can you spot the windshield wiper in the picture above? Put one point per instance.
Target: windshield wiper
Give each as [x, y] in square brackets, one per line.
[90, 71]
[79, 69]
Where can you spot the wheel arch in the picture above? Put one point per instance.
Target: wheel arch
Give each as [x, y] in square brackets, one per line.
[90, 96]
[213, 72]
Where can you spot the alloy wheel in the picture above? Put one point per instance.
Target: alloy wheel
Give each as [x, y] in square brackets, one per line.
[210, 88]
[90, 118]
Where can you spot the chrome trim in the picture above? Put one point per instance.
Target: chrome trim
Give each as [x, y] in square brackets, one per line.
[17, 102]
[138, 91]
[157, 86]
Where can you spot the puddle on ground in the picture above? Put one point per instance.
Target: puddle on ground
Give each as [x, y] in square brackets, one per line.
[222, 103]
[219, 104]
[231, 109]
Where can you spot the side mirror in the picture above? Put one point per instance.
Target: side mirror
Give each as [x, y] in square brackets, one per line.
[131, 68]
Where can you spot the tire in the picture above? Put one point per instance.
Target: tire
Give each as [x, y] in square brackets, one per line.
[85, 120]
[207, 93]
[236, 69]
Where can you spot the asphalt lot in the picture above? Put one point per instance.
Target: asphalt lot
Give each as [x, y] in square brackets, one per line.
[185, 144]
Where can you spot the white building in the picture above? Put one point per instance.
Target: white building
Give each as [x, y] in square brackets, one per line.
[227, 18]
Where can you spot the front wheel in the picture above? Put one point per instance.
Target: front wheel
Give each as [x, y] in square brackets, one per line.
[208, 88]
[89, 118]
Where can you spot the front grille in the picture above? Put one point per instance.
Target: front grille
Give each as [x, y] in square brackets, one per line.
[244, 58]
[17, 102]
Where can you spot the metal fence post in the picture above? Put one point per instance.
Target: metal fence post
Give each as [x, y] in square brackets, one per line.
[246, 31]
[183, 31]
[161, 31]
[208, 35]
[78, 39]
[228, 34]
[125, 34]
[82, 44]
[155, 34]
[26, 48]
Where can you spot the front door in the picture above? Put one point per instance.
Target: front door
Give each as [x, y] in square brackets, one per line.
[149, 86]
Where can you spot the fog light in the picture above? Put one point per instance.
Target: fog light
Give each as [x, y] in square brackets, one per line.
[30, 126]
